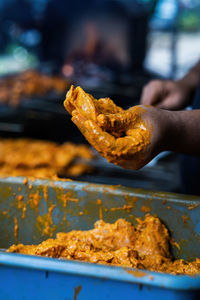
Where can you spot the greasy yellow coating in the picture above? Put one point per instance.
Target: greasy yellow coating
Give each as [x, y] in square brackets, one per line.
[121, 136]
[42, 159]
[28, 84]
[145, 246]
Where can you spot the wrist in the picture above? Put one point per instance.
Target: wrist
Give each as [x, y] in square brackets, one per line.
[173, 131]
[190, 81]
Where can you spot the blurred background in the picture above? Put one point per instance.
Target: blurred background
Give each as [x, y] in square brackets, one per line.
[109, 47]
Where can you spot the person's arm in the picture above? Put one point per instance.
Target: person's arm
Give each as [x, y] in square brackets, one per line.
[192, 78]
[169, 94]
[184, 132]
[131, 138]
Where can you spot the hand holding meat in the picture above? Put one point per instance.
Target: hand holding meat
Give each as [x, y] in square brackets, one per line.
[123, 137]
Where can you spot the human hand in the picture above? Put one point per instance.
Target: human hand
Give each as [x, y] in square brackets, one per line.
[166, 94]
[129, 138]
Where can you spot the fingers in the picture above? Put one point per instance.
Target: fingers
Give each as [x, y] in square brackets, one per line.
[129, 145]
[84, 104]
[166, 104]
[172, 102]
[114, 148]
[153, 93]
[79, 121]
[103, 124]
[120, 151]
[68, 103]
[102, 141]
[166, 94]
[134, 161]
[77, 99]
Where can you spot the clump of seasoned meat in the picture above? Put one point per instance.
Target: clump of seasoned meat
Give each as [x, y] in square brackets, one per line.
[43, 159]
[145, 246]
[29, 84]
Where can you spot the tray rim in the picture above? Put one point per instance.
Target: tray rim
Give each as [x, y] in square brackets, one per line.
[114, 189]
[129, 275]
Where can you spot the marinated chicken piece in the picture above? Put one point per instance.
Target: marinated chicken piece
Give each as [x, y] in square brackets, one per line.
[153, 241]
[67, 152]
[104, 235]
[43, 159]
[145, 246]
[121, 136]
[28, 84]
[25, 152]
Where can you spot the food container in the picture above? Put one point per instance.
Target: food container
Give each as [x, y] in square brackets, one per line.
[33, 210]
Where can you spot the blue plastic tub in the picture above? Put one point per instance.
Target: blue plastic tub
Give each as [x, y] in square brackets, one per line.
[28, 277]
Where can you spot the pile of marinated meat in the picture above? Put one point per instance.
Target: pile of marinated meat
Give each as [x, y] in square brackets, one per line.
[43, 159]
[145, 246]
[27, 84]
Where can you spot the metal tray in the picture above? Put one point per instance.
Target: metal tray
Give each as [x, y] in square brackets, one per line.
[76, 207]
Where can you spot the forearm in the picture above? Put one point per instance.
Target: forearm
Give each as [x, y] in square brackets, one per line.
[192, 78]
[183, 134]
